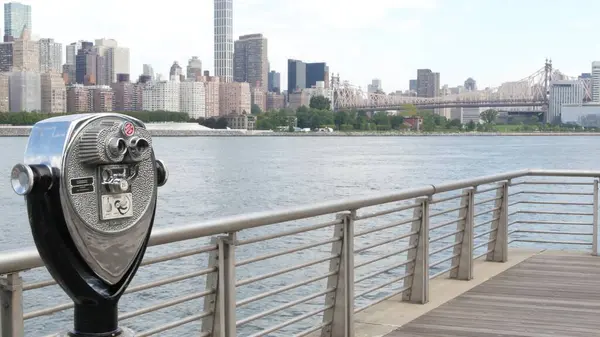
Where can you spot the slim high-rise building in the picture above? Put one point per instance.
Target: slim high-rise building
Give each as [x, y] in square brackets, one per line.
[250, 63]
[194, 68]
[274, 81]
[211, 96]
[86, 69]
[296, 75]
[17, 17]
[223, 39]
[596, 81]
[50, 56]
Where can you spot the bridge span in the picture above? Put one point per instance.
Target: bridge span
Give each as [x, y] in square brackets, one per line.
[512, 254]
[533, 90]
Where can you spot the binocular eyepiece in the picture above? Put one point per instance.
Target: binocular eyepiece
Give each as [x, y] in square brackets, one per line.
[90, 184]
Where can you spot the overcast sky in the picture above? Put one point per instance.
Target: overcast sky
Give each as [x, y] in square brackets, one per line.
[490, 40]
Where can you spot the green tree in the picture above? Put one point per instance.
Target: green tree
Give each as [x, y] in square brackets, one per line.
[489, 116]
[221, 123]
[428, 123]
[341, 118]
[255, 109]
[471, 126]
[396, 121]
[455, 123]
[382, 120]
[410, 109]
[320, 103]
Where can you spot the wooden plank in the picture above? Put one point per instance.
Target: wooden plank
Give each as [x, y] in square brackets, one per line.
[544, 296]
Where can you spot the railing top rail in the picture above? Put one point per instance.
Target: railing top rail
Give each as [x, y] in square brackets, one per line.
[23, 259]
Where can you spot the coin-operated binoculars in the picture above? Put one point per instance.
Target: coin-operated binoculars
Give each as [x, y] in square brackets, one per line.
[90, 184]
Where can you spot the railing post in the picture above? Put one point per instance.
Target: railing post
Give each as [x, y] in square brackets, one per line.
[498, 246]
[222, 322]
[595, 222]
[418, 283]
[342, 313]
[11, 306]
[212, 283]
[464, 260]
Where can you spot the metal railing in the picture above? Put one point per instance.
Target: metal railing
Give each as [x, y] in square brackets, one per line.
[310, 269]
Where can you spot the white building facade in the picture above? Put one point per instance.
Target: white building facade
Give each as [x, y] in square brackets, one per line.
[596, 81]
[192, 99]
[25, 91]
[320, 90]
[161, 96]
[563, 92]
[223, 39]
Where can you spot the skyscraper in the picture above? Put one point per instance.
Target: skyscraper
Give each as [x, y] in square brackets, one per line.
[223, 43]
[296, 75]
[316, 72]
[116, 60]
[17, 17]
[596, 81]
[274, 81]
[428, 83]
[250, 61]
[50, 56]
[26, 53]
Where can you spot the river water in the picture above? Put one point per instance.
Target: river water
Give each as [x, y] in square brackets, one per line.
[214, 177]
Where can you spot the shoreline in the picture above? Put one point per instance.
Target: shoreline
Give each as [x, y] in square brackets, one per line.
[24, 131]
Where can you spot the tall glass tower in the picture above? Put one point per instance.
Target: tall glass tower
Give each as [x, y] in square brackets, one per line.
[17, 16]
[224, 40]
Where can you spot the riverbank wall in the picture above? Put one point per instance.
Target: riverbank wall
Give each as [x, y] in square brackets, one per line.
[24, 131]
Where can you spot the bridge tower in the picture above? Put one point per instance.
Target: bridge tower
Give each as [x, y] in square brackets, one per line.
[335, 85]
[547, 80]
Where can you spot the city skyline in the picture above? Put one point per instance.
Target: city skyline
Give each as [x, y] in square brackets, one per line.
[388, 40]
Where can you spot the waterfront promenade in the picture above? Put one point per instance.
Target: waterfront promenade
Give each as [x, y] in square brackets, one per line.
[433, 260]
[536, 293]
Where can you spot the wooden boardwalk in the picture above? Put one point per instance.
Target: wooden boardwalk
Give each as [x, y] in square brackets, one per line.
[547, 295]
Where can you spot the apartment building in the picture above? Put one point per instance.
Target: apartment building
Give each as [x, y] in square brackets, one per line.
[234, 98]
[211, 96]
[53, 93]
[192, 100]
[161, 96]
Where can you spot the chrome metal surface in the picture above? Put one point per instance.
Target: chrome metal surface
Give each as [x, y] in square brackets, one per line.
[21, 179]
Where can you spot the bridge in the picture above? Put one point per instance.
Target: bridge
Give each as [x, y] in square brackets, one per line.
[512, 254]
[531, 91]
